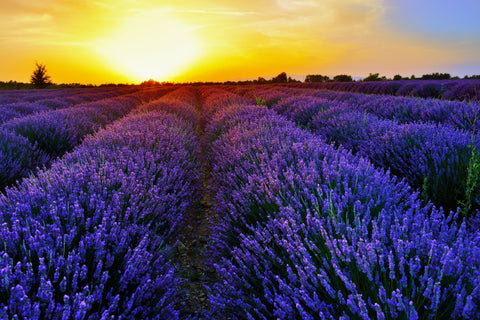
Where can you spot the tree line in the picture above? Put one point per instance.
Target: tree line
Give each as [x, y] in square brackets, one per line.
[40, 79]
[377, 77]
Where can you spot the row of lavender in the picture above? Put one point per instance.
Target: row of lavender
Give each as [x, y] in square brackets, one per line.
[69, 95]
[305, 231]
[444, 89]
[436, 159]
[91, 237]
[13, 105]
[36, 140]
[461, 115]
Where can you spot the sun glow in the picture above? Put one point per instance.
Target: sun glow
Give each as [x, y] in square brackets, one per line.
[151, 46]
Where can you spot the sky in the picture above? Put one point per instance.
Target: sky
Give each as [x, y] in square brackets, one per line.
[111, 41]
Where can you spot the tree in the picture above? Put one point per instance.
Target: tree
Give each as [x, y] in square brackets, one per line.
[261, 80]
[281, 78]
[292, 80]
[397, 77]
[375, 77]
[40, 78]
[436, 76]
[372, 77]
[342, 78]
[316, 78]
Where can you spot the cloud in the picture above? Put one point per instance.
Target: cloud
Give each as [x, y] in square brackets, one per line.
[213, 12]
[297, 4]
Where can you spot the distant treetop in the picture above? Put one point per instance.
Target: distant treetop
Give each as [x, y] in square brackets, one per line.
[342, 78]
[317, 78]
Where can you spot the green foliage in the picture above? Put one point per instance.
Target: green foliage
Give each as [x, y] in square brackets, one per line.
[292, 80]
[374, 77]
[445, 182]
[261, 80]
[342, 78]
[281, 78]
[436, 76]
[317, 78]
[40, 79]
[260, 101]
[472, 186]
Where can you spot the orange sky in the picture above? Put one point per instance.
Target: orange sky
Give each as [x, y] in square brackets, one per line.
[210, 40]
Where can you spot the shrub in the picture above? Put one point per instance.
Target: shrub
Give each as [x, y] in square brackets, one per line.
[308, 231]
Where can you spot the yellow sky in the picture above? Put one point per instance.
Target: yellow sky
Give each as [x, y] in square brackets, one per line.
[211, 40]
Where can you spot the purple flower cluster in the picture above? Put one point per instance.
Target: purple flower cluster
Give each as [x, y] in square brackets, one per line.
[431, 157]
[51, 134]
[59, 131]
[73, 96]
[54, 100]
[91, 237]
[461, 115]
[182, 102]
[17, 157]
[18, 110]
[214, 98]
[301, 109]
[306, 231]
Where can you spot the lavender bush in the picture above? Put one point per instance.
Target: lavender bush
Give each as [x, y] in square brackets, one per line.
[59, 131]
[51, 134]
[17, 158]
[301, 109]
[308, 232]
[432, 158]
[461, 115]
[89, 238]
[10, 111]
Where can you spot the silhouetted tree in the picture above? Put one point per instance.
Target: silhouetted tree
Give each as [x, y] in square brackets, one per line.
[150, 83]
[372, 77]
[281, 78]
[316, 78]
[40, 78]
[291, 80]
[436, 76]
[397, 77]
[375, 77]
[261, 80]
[342, 78]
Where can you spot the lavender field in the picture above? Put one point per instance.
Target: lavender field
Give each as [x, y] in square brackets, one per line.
[238, 202]
[448, 89]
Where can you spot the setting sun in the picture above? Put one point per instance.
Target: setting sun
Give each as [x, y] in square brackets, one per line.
[151, 45]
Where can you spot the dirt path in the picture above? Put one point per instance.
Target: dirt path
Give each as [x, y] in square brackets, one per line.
[191, 250]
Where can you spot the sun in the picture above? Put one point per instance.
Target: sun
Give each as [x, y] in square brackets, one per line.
[151, 45]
